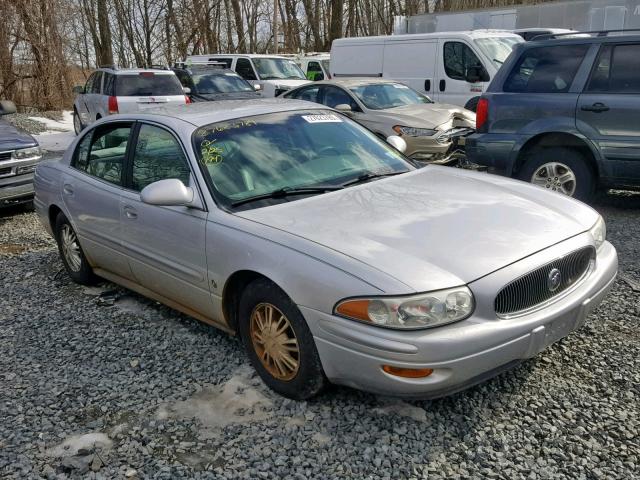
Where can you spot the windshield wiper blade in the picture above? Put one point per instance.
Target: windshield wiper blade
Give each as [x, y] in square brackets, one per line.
[365, 177]
[288, 191]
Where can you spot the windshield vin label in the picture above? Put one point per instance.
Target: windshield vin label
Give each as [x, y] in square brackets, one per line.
[322, 118]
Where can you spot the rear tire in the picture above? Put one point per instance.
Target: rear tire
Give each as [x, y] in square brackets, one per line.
[77, 123]
[73, 258]
[552, 168]
[278, 341]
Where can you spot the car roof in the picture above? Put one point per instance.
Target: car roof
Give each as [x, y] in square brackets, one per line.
[205, 113]
[124, 71]
[351, 81]
[206, 69]
[249, 55]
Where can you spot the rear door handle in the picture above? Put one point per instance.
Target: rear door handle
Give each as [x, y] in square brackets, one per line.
[596, 107]
[427, 85]
[130, 212]
[443, 85]
[67, 189]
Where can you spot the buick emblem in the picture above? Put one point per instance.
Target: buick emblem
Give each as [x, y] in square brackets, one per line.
[553, 279]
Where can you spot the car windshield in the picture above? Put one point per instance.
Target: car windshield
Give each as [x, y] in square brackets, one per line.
[278, 69]
[208, 83]
[253, 156]
[497, 49]
[147, 84]
[380, 96]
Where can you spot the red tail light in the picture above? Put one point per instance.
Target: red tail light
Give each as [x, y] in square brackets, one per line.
[113, 105]
[482, 113]
[187, 99]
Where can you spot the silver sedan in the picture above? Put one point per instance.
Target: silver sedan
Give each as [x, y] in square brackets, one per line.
[332, 257]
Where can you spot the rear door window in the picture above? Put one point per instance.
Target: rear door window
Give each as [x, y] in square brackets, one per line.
[309, 94]
[147, 84]
[616, 70]
[102, 152]
[93, 85]
[546, 69]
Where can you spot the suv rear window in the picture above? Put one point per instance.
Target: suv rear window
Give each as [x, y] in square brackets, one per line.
[147, 83]
[546, 69]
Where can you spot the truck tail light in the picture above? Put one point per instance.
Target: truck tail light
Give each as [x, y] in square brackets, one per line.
[482, 113]
[113, 105]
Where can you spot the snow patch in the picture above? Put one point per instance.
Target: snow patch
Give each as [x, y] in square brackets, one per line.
[87, 441]
[235, 401]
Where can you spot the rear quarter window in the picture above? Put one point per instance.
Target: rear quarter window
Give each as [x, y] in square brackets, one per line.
[147, 84]
[546, 69]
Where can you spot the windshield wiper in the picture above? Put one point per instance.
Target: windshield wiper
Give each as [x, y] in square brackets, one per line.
[365, 177]
[288, 191]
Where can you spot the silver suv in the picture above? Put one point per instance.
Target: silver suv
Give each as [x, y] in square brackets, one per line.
[111, 90]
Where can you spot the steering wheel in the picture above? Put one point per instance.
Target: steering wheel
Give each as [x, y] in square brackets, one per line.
[328, 150]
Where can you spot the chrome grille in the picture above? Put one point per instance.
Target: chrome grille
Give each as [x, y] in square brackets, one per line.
[5, 156]
[533, 288]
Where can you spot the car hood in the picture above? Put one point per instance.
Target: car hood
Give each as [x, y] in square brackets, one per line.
[12, 138]
[206, 97]
[433, 115]
[287, 83]
[433, 228]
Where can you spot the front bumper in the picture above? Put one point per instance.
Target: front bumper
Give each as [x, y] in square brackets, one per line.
[16, 189]
[464, 353]
[428, 150]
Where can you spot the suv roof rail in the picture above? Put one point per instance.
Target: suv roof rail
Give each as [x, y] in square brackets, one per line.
[199, 63]
[112, 66]
[159, 67]
[592, 33]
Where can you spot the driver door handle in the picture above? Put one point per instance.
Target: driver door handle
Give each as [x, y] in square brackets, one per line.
[130, 212]
[596, 107]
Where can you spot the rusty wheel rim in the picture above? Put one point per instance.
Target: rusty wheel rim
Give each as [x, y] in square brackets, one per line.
[274, 341]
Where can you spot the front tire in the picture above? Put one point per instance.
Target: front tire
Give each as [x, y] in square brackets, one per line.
[278, 342]
[560, 169]
[73, 258]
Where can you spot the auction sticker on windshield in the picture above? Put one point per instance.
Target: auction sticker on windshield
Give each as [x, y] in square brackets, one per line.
[322, 118]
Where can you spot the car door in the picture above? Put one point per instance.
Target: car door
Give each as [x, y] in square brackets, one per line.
[83, 101]
[608, 111]
[165, 245]
[452, 85]
[91, 191]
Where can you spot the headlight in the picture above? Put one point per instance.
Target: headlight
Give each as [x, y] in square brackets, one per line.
[599, 233]
[414, 132]
[23, 153]
[425, 310]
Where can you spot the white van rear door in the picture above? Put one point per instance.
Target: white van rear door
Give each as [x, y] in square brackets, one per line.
[455, 58]
[412, 63]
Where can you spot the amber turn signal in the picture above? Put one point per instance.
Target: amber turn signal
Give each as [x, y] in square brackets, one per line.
[355, 309]
[407, 372]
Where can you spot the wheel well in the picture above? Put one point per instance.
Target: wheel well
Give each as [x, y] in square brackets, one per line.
[54, 210]
[548, 140]
[233, 291]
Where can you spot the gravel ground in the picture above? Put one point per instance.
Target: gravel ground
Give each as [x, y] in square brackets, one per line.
[102, 383]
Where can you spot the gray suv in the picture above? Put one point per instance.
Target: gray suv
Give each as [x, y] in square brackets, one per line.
[19, 155]
[564, 113]
[112, 90]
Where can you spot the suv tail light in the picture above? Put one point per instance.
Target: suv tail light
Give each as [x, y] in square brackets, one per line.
[187, 99]
[482, 113]
[113, 105]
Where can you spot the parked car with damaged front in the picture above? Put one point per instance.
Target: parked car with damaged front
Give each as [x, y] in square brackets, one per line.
[332, 257]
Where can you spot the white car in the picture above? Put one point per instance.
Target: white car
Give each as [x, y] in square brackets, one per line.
[272, 74]
[112, 90]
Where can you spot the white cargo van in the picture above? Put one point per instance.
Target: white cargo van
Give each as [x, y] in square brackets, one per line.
[273, 74]
[450, 67]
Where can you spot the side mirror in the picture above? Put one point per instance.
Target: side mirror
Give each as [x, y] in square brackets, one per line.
[186, 90]
[168, 192]
[257, 87]
[7, 107]
[397, 142]
[78, 89]
[343, 107]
